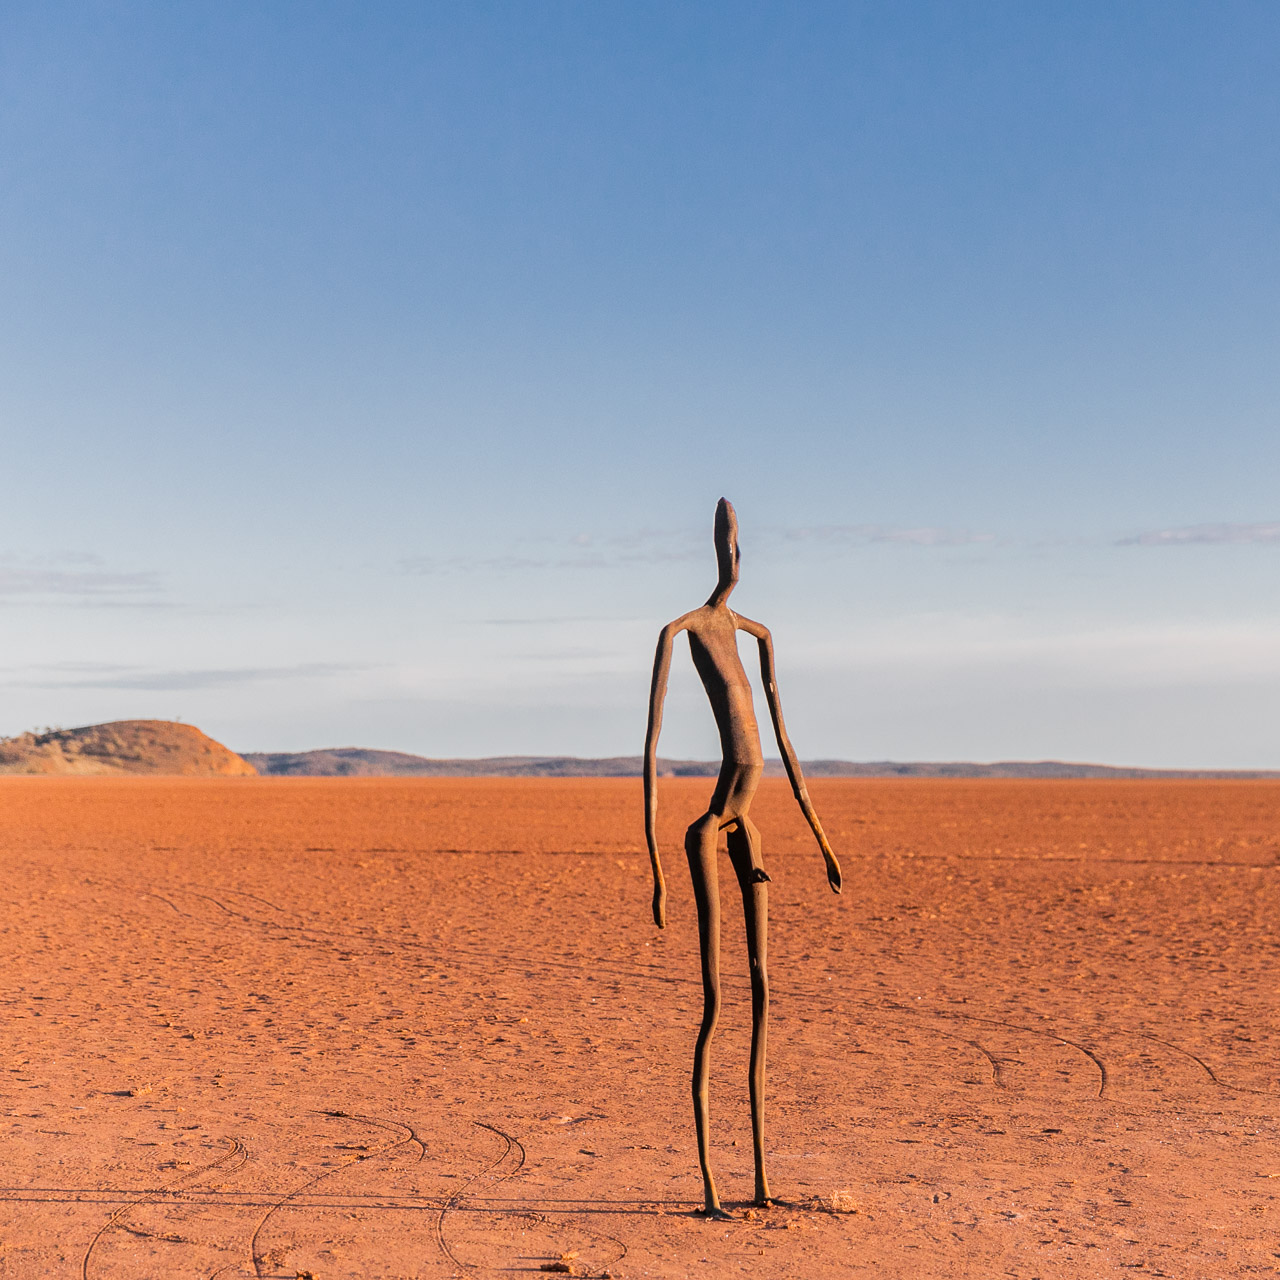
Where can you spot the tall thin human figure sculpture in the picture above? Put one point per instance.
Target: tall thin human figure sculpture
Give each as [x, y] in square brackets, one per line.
[713, 642]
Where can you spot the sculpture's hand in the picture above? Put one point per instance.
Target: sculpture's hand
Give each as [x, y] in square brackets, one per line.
[833, 873]
[660, 905]
[828, 854]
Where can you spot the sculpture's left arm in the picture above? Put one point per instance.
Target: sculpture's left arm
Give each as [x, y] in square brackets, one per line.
[789, 761]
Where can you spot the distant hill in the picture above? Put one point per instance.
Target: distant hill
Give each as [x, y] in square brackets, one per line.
[362, 762]
[123, 746]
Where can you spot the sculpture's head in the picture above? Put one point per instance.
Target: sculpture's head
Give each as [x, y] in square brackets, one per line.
[728, 555]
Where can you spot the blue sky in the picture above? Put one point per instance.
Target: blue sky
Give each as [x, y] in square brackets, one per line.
[369, 373]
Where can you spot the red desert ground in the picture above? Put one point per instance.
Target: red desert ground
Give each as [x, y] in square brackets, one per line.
[421, 1027]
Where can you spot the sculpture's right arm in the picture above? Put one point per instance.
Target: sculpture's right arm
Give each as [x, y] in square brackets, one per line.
[657, 694]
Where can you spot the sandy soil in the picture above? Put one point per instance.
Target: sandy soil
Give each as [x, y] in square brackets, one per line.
[383, 1028]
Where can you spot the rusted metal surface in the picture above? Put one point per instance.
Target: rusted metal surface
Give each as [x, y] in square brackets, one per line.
[713, 643]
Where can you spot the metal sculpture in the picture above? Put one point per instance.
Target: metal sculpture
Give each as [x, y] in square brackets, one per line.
[713, 642]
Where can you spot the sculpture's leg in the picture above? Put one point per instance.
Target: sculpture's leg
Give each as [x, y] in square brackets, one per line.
[700, 846]
[744, 849]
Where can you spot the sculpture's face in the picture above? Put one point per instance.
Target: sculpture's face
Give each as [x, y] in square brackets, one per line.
[728, 553]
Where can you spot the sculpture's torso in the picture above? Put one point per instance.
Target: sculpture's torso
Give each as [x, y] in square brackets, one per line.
[713, 642]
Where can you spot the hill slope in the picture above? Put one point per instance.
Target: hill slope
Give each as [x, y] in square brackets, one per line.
[123, 746]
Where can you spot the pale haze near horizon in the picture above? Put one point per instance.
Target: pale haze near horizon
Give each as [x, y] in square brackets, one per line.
[369, 374]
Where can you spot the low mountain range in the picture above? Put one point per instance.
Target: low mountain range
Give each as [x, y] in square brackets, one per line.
[168, 748]
[361, 762]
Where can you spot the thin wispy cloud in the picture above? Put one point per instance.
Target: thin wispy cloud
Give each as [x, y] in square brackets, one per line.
[80, 675]
[73, 575]
[684, 544]
[903, 535]
[554, 621]
[64, 582]
[640, 541]
[610, 558]
[1207, 535]
[424, 566]
[579, 552]
[678, 546]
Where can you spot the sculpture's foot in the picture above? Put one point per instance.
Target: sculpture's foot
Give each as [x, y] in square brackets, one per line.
[765, 1201]
[714, 1213]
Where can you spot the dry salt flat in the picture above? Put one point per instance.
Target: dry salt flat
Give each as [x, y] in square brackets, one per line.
[426, 1028]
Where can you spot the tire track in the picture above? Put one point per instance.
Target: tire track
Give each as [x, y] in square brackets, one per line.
[453, 1201]
[481, 965]
[1204, 1066]
[1104, 1076]
[257, 1259]
[997, 1067]
[116, 1219]
[456, 1203]
[785, 855]
[315, 934]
